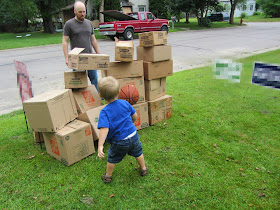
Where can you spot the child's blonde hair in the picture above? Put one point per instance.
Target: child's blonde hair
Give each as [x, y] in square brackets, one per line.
[108, 88]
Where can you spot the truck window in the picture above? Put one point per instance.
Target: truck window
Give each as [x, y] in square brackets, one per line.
[150, 16]
[142, 16]
[134, 15]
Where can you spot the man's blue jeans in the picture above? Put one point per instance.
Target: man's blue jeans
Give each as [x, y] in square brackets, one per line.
[93, 77]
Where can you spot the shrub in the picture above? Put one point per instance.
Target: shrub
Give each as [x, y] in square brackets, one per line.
[243, 15]
[256, 13]
[205, 22]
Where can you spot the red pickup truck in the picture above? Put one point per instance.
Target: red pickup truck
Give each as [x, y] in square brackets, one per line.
[131, 23]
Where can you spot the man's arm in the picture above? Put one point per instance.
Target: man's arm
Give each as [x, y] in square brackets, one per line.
[65, 47]
[94, 44]
[134, 117]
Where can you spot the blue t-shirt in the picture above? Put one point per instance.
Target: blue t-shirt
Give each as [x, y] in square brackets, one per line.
[117, 117]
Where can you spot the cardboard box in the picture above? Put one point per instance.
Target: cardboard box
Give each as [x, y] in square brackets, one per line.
[160, 109]
[50, 111]
[70, 144]
[87, 61]
[92, 116]
[124, 50]
[154, 54]
[153, 38]
[138, 82]
[142, 113]
[38, 137]
[155, 88]
[158, 69]
[86, 98]
[120, 70]
[75, 79]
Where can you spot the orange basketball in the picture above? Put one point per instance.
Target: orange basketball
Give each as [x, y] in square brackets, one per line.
[129, 93]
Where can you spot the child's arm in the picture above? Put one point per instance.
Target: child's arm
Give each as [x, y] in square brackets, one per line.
[103, 132]
[134, 117]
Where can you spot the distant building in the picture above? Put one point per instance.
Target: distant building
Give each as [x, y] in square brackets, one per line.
[134, 5]
[249, 7]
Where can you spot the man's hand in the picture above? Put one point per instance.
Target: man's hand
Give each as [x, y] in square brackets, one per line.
[100, 152]
[66, 61]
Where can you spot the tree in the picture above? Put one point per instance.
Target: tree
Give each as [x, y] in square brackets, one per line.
[47, 9]
[233, 4]
[270, 7]
[159, 8]
[17, 13]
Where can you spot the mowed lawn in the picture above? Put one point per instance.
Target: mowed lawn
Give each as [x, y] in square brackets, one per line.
[220, 150]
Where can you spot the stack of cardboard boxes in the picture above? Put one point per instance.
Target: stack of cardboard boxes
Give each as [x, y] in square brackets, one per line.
[67, 119]
[54, 115]
[129, 71]
[158, 64]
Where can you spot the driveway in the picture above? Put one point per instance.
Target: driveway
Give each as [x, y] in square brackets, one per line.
[189, 49]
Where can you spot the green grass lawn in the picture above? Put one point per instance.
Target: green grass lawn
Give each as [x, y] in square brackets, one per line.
[220, 150]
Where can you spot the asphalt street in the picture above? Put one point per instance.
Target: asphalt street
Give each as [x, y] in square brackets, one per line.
[190, 49]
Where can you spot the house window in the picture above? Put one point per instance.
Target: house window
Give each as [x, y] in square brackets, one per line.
[141, 8]
[251, 7]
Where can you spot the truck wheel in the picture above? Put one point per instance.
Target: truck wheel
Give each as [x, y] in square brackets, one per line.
[128, 34]
[164, 28]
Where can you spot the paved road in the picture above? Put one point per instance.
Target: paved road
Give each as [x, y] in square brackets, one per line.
[189, 49]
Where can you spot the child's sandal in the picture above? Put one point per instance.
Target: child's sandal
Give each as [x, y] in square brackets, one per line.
[106, 178]
[144, 172]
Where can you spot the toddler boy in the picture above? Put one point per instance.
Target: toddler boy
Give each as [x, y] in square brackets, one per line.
[116, 126]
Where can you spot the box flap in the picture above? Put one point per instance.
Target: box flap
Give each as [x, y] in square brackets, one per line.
[123, 43]
[76, 51]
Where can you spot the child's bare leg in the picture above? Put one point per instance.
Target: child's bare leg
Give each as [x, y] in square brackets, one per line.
[110, 168]
[141, 162]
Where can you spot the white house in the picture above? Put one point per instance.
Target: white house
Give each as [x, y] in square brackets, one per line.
[249, 7]
[135, 5]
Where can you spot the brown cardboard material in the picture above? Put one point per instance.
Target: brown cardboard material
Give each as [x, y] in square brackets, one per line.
[38, 137]
[154, 54]
[92, 116]
[70, 144]
[155, 88]
[50, 111]
[120, 70]
[160, 109]
[142, 113]
[124, 50]
[158, 69]
[86, 98]
[153, 38]
[87, 61]
[138, 82]
[75, 79]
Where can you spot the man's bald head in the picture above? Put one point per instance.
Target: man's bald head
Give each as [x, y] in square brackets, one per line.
[80, 11]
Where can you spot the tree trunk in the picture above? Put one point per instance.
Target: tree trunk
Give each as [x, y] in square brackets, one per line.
[48, 26]
[101, 9]
[233, 4]
[187, 17]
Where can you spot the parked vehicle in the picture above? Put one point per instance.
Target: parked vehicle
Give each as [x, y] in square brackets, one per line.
[131, 23]
[218, 16]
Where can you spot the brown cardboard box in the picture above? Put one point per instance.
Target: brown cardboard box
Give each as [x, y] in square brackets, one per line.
[38, 137]
[92, 116]
[138, 82]
[155, 88]
[87, 61]
[71, 143]
[142, 113]
[158, 69]
[154, 54]
[160, 109]
[120, 70]
[75, 79]
[153, 38]
[124, 50]
[50, 111]
[86, 98]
